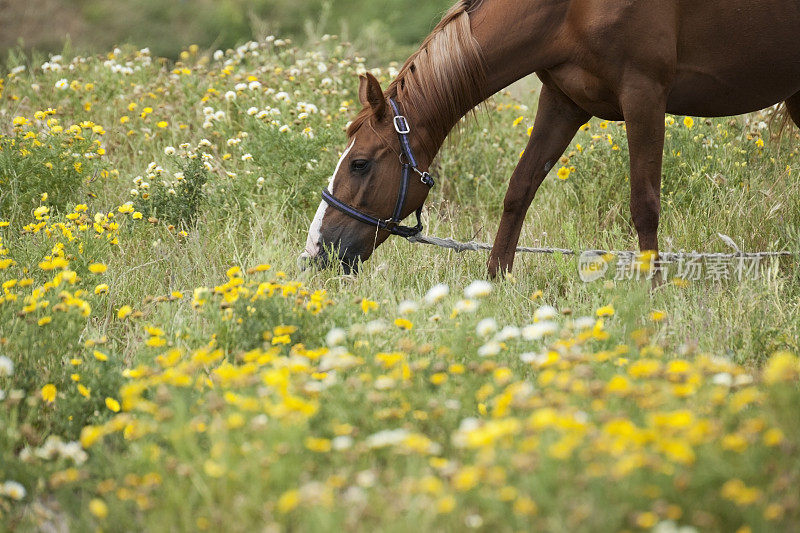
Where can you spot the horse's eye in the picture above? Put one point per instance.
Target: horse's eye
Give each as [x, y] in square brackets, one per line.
[359, 165]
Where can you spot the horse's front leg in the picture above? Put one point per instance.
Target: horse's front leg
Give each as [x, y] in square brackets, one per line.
[557, 121]
[643, 105]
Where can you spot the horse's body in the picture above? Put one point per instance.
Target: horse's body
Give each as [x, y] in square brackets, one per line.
[631, 60]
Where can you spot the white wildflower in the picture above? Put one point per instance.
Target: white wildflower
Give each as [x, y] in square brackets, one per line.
[6, 366]
[478, 289]
[335, 336]
[436, 293]
[486, 327]
[545, 312]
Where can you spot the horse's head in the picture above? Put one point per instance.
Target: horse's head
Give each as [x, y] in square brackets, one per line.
[368, 180]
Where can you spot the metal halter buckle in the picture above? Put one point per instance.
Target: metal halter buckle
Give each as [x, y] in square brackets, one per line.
[399, 122]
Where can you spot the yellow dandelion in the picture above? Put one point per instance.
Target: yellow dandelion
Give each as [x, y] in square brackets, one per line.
[112, 404]
[49, 393]
[98, 508]
[97, 268]
[403, 323]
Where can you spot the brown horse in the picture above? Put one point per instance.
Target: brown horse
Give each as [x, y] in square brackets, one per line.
[614, 59]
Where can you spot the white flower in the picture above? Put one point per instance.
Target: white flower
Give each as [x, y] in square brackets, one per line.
[219, 54]
[478, 289]
[335, 336]
[723, 378]
[6, 366]
[13, 490]
[253, 85]
[537, 331]
[284, 129]
[342, 442]
[62, 84]
[387, 437]
[466, 306]
[486, 327]
[384, 383]
[545, 312]
[406, 307]
[247, 157]
[584, 322]
[169, 150]
[366, 478]
[230, 96]
[508, 332]
[376, 327]
[489, 349]
[436, 293]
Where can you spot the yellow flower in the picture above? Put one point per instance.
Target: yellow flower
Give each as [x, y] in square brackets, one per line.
[445, 504]
[367, 305]
[466, 479]
[45, 320]
[288, 501]
[98, 508]
[688, 122]
[647, 520]
[606, 310]
[101, 289]
[782, 367]
[438, 378]
[517, 121]
[281, 339]
[97, 268]
[49, 393]
[525, 506]
[618, 385]
[318, 445]
[84, 391]
[658, 316]
[163, 124]
[563, 173]
[90, 435]
[100, 356]
[112, 404]
[403, 323]
[124, 312]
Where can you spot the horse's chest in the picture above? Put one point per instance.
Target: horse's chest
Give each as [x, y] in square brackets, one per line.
[585, 89]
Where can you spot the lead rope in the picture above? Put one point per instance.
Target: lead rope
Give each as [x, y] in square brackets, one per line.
[473, 246]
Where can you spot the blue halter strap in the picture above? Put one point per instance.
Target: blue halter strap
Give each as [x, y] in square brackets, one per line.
[409, 164]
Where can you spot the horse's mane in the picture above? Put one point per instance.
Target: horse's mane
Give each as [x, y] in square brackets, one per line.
[445, 78]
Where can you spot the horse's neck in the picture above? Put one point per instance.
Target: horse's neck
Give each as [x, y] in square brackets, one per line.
[514, 42]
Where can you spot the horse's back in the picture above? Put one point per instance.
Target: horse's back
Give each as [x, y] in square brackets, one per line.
[735, 56]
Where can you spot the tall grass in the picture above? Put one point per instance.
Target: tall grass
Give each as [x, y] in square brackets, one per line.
[209, 384]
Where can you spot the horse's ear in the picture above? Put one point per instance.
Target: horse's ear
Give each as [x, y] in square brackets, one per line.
[370, 94]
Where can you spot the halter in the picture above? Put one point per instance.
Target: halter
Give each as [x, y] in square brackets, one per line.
[409, 163]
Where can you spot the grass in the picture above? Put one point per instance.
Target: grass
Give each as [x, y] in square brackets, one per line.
[173, 370]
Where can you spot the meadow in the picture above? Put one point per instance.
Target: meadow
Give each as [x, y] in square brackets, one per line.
[164, 365]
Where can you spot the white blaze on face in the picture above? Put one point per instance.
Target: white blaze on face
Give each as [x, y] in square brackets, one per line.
[314, 236]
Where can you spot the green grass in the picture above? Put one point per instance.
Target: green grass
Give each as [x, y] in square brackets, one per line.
[223, 408]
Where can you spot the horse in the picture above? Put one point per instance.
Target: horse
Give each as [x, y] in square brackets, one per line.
[614, 59]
